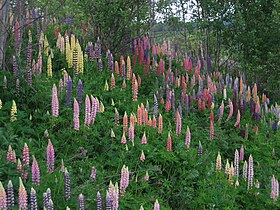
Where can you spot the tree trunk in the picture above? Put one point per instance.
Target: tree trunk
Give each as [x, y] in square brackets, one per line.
[5, 8]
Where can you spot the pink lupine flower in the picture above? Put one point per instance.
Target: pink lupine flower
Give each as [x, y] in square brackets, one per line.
[50, 157]
[93, 174]
[87, 112]
[131, 134]
[241, 153]
[35, 172]
[76, 114]
[123, 141]
[156, 205]
[146, 177]
[113, 192]
[250, 172]
[25, 155]
[125, 123]
[237, 123]
[230, 106]
[274, 189]
[132, 120]
[3, 197]
[169, 143]
[55, 103]
[211, 131]
[188, 138]
[144, 139]
[22, 197]
[124, 179]
[178, 123]
[93, 108]
[142, 156]
[11, 157]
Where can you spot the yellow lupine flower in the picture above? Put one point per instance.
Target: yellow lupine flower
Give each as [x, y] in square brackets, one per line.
[102, 108]
[218, 163]
[1, 105]
[80, 62]
[13, 112]
[49, 67]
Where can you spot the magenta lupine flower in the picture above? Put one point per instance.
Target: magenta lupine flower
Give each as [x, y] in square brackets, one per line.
[76, 114]
[123, 141]
[156, 205]
[131, 134]
[250, 172]
[3, 197]
[25, 155]
[55, 102]
[124, 179]
[22, 197]
[87, 112]
[221, 111]
[35, 172]
[93, 174]
[274, 189]
[241, 153]
[236, 163]
[50, 157]
[11, 157]
[144, 139]
[230, 106]
[142, 156]
[188, 138]
[93, 109]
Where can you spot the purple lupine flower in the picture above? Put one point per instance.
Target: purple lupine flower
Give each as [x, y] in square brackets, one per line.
[241, 153]
[156, 205]
[114, 195]
[55, 102]
[93, 109]
[80, 93]
[67, 185]
[93, 174]
[50, 205]
[35, 172]
[81, 200]
[76, 115]
[87, 112]
[22, 196]
[49, 194]
[69, 93]
[155, 107]
[250, 172]
[33, 200]
[124, 179]
[99, 201]
[108, 202]
[3, 197]
[10, 195]
[50, 157]
[236, 163]
[100, 65]
[45, 200]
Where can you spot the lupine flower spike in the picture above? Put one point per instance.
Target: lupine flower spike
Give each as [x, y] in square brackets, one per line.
[3, 197]
[156, 205]
[55, 102]
[236, 163]
[144, 139]
[188, 138]
[99, 201]
[81, 200]
[250, 172]
[22, 197]
[274, 189]
[76, 114]
[93, 174]
[10, 195]
[50, 157]
[33, 199]
[13, 112]
[169, 143]
[124, 179]
[142, 156]
[218, 163]
[67, 185]
[35, 172]
[11, 157]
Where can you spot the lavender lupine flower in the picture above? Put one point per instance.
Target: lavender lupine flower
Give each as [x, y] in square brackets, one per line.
[67, 185]
[155, 107]
[236, 163]
[100, 65]
[156, 205]
[10, 195]
[3, 197]
[87, 112]
[274, 189]
[76, 114]
[69, 93]
[93, 174]
[25, 155]
[114, 195]
[250, 172]
[50, 205]
[80, 93]
[108, 202]
[124, 179]
[188, 138]
[49, 194]
[35, 172]
[33, 200]
[22, 196]
[50, 157]
[241, 153]
[81, 200]
[55, 103]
